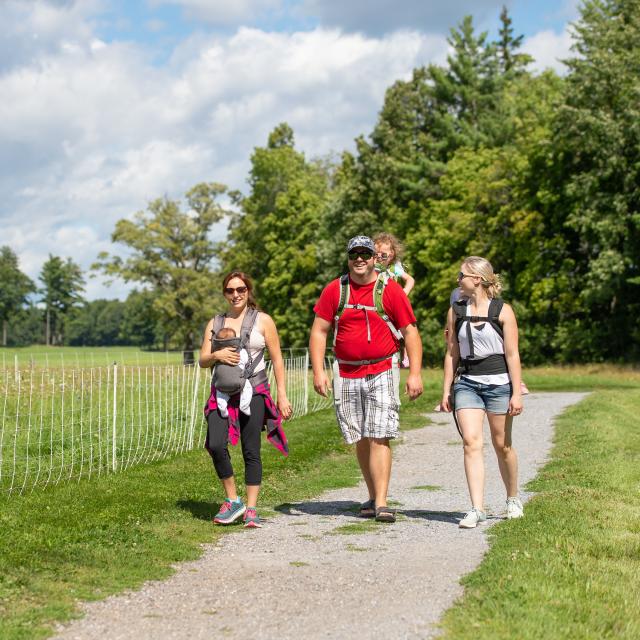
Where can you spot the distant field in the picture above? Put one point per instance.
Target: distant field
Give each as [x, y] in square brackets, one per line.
[43, 356]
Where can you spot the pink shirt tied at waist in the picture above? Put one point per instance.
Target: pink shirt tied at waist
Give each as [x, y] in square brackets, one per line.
[272, 418]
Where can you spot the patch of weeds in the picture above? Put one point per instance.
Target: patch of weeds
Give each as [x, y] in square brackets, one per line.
[353, 547]
[297, 524]
[355, 528]
[299, 563]
[427, 487]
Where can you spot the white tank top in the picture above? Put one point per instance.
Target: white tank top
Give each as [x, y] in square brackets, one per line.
[486, 342]
[256, 344]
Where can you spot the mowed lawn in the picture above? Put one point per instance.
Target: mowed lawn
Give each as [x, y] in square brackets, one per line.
[567, 570]
[68, 357]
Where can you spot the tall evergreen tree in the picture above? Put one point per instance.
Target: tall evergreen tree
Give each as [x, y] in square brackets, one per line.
[63, 284]
[16, 286]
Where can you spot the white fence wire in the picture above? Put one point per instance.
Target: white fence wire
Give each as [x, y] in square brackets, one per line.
[60, 424]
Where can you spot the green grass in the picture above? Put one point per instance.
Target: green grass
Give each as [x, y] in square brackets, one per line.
[86, 540]
[427, 487]
[58, 424]
[41, 356]
[567, 570]
[570, 568]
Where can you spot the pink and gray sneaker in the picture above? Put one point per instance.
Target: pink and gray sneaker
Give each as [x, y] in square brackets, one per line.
[229, 512]
[251, 519]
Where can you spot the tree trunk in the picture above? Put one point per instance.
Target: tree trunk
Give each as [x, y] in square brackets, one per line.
[187, 353]
[4, 333]
[47, 334]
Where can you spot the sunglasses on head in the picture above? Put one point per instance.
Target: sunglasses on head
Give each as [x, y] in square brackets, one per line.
[231, 290]
[363, 255]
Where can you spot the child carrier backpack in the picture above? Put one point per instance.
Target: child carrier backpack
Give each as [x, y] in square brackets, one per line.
[492, 364]
[230, 379]
[378, 291]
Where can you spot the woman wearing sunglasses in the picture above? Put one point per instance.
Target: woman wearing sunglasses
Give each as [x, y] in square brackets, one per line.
[263, 412]
[483, 363]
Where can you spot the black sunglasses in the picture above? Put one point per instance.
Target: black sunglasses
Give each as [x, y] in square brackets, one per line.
[462, 276]
[231, 290]
[364, 255]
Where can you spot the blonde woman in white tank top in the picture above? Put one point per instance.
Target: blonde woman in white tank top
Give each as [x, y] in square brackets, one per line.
[493, 390]
[238, 292]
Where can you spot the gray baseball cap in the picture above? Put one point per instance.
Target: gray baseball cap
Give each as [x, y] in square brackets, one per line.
[361, 242]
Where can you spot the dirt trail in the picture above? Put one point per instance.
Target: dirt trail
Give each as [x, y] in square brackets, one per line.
[305, 576]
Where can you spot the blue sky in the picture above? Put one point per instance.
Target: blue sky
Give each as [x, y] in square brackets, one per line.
[161, 24]
[108, 104]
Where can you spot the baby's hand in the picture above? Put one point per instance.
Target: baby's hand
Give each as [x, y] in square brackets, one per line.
[228, 355]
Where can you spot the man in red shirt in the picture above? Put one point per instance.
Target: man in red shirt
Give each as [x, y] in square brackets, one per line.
[364, 344]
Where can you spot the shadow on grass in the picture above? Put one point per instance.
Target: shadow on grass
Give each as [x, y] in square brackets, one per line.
[198, 509]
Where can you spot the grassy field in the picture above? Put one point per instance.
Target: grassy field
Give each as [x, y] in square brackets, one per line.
[64, 423]
[570, 568]
[90, 539]
[567, 570]
[44, 356]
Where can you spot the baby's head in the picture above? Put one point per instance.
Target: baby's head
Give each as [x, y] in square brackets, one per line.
[225, 333]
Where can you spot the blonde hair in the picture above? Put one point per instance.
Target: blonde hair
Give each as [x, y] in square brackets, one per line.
[492, 282]
[396, 246]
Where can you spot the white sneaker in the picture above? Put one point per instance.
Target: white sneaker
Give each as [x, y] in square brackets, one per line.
[472, 519]
[514, 508]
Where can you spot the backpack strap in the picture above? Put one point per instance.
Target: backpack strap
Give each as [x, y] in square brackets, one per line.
[493, 318]
[248, 322]
[378, 292]
[342, 303]
[218, 323]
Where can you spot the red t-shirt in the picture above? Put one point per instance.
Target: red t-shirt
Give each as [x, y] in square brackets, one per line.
[351, 341]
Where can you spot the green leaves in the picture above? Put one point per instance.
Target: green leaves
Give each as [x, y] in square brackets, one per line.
[171, 252]
[16, 286]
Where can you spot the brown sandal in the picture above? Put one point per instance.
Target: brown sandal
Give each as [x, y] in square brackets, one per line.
[385, 514]
[368, 509]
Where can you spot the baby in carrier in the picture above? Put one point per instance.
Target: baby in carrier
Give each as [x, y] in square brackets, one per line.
[229, 379]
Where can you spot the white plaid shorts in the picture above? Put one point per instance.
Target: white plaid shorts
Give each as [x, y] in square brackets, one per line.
[367, 407]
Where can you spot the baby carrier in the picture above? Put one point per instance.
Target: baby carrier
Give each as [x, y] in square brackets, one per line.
[492, 364]
[496, 363]
[230, 379]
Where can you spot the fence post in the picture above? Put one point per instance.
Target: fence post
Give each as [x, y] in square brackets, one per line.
[194, 403]
[114, 461]
[306, 381]
[15, 366]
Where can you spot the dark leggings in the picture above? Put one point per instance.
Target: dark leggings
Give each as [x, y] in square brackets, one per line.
[250, 430]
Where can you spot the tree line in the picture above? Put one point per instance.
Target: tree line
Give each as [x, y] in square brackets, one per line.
[56, 313]
[536, 172]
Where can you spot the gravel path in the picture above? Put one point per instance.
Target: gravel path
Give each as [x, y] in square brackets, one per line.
[305, 577]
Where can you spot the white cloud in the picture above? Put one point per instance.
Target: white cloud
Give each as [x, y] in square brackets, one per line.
[90, 131]
[549, 49]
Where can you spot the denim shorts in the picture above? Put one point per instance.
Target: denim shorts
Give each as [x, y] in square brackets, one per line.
[493, 398]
